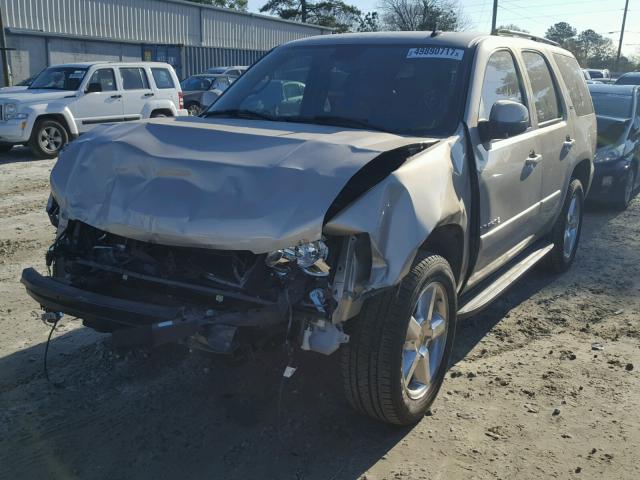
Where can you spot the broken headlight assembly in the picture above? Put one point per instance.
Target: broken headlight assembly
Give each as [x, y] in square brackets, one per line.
[310, 257]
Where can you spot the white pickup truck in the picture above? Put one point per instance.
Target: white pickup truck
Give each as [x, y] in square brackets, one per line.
[67, 100]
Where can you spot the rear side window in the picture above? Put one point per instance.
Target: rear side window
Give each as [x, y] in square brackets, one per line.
[163, 78]
[501, 82]
[134, 78]
[573, 79]
[545, 95]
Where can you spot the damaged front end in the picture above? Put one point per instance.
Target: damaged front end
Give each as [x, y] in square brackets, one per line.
[214, 300]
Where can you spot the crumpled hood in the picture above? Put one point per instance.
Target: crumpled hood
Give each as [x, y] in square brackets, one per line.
[223, 184]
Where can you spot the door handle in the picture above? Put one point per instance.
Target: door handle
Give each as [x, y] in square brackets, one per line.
[569, 142]
[116, 96]
[533, 159]
[148, 94]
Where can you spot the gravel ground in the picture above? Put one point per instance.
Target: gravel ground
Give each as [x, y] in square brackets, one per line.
[544, 384]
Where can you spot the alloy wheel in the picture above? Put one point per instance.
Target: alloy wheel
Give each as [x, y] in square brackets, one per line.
[425, 340]
[50, 139]
[572, 226]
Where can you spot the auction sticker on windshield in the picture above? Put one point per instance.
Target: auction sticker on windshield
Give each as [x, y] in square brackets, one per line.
[436, 52]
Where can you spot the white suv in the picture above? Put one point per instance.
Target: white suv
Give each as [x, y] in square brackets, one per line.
[67, 100]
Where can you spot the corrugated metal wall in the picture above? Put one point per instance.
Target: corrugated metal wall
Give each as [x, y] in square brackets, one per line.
[153, 21]
[198, 59]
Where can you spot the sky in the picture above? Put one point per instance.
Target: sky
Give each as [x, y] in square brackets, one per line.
[603, 16]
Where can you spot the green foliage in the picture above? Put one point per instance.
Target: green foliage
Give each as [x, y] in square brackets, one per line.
[561, 32]
[591, 49]
[335, 14]
[232, 4]
[369, 22]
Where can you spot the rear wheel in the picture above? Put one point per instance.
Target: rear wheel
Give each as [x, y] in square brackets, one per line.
[5, 148]
[194, 109]
[401, 344]
[625, 194]
[566, 231]
[159, 115]
[48, 138]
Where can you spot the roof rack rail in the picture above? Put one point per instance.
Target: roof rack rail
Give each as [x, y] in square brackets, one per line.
[513, 33]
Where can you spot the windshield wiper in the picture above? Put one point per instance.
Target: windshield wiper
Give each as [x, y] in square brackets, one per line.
[238, 113]
[340, 122]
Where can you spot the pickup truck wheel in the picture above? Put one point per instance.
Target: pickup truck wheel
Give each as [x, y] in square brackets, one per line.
[5, 148]
[400, 345]
[566, 231]
[48, 138]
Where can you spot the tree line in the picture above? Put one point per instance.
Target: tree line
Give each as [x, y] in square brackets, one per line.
[592, 49]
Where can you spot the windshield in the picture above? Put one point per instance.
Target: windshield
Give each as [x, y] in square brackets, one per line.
[399, 89]
[59, 78]
[195, 83]
[596, 74]
[611, 132]
[612, 104]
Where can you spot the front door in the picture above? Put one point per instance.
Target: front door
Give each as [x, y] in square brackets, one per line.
[100, 102]
[136, 91]
[509, 174]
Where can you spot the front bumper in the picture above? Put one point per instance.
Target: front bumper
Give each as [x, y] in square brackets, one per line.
[56, 296]
[14, 131]
[140, 323]
[608, 179]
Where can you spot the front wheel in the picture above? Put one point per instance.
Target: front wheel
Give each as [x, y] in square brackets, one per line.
[626, 192]
[48, 138]
[566, 231]
[4, 148]
[401, 344]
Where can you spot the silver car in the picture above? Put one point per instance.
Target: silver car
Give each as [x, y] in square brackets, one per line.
[200, 91]
[358, 192]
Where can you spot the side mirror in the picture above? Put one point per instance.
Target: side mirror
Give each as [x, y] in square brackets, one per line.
[93, 88]
[507, 119]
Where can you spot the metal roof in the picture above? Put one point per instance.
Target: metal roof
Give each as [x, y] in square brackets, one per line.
[171, 22]
[449, 39]
[608, 88]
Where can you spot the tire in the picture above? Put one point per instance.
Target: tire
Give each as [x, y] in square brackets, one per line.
[194, 109]
[159, 115]
[565, 237]
[376, 360]
[625, 194]
[48, 138]
[5, 148]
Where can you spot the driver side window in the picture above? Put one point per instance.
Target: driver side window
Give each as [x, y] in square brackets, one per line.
[501, 82]
[105, 78]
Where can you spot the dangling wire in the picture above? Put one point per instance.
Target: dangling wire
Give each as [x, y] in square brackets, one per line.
[289, 369]
[46, 352]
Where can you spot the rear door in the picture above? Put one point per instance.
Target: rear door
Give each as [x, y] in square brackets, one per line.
[166, 85]
[510, 181]
[92, 108]
[550, 116]
[136, 91]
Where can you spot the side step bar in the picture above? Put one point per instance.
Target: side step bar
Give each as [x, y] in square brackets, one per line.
[502, 283]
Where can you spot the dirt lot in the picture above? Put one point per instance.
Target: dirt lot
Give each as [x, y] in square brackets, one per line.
[544, 384]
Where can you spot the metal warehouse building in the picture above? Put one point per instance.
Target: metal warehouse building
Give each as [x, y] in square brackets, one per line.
[190, 36]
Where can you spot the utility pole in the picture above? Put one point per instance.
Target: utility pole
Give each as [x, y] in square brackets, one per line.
[624, 20]
[495, 16]
[3, 50]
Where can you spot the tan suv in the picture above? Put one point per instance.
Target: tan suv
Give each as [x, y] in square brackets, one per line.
[410, 180]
